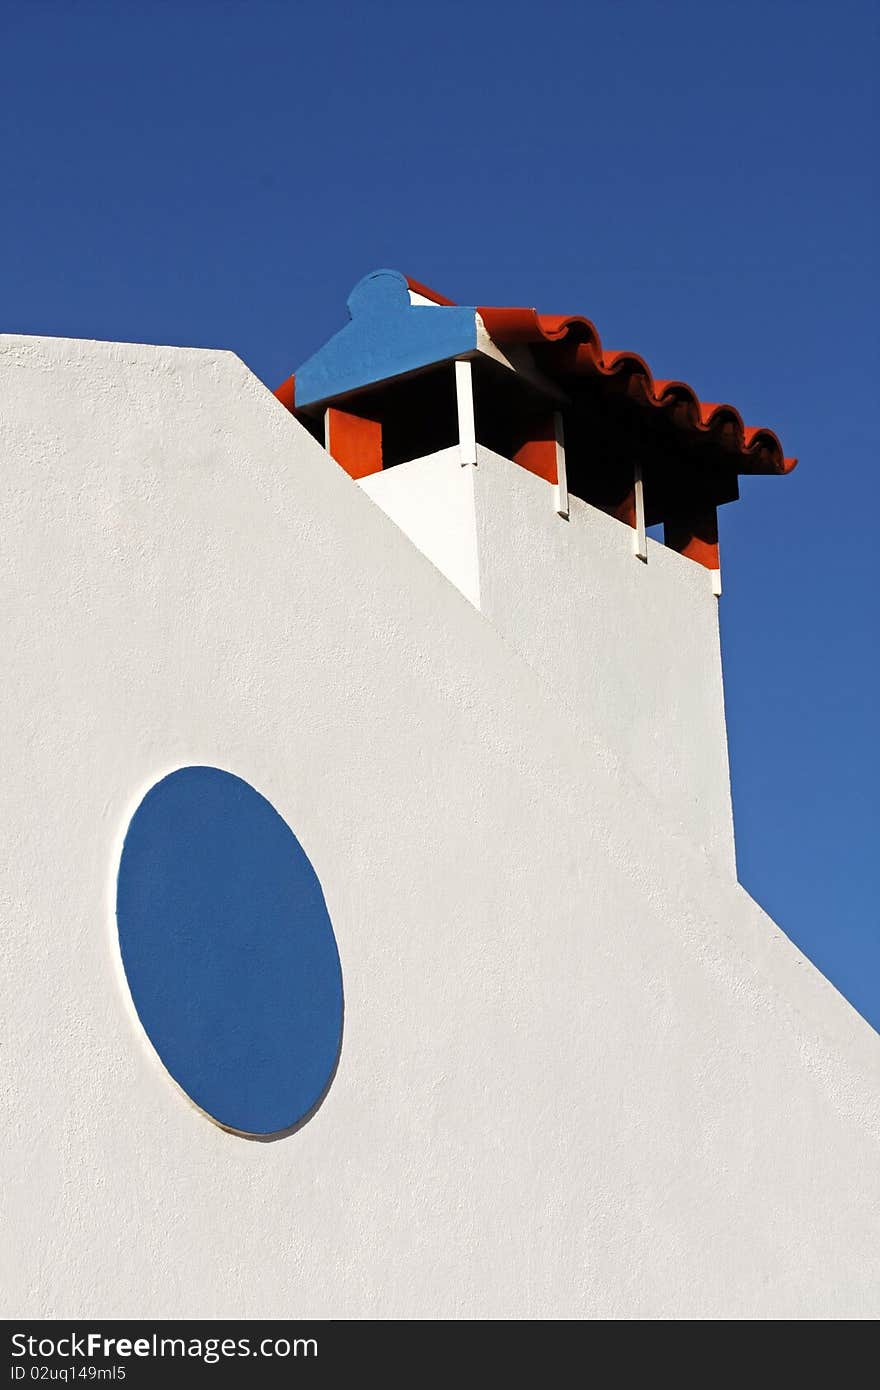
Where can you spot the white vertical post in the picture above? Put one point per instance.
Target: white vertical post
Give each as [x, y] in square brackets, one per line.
[716, 582]
[464, 395]
[327, 430]
[640, 540]
[561, 475]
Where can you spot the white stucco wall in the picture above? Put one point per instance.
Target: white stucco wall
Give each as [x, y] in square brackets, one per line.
[629, 651]
[582, 1073]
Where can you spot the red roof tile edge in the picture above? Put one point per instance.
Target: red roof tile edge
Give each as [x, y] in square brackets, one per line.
[759, 447]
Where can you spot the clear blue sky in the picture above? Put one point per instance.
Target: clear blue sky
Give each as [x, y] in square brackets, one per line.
[698, 178]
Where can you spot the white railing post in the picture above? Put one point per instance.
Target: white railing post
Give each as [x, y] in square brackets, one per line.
[640, 540]
[464, 395]
[561, 474]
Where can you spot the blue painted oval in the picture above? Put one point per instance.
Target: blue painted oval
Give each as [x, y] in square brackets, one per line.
[229, 951]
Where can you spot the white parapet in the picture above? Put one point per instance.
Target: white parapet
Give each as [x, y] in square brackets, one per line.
[630, 651]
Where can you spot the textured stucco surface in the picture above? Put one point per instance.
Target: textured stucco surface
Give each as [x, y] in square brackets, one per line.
[582, 1072]
[631, 651]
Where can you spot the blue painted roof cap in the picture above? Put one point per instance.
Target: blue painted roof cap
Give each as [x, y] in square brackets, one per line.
[387, 336]
[380, 292]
